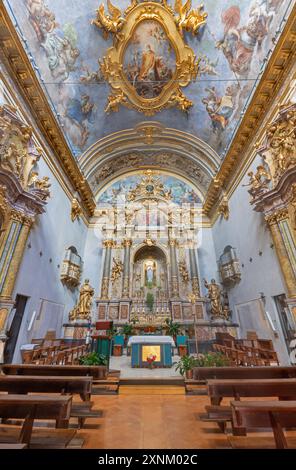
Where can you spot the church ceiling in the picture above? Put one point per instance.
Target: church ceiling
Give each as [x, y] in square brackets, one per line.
[64, 47]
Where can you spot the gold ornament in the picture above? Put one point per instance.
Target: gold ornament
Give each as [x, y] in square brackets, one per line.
[122, 25]
[82, 311]
[117, 269]
[76, 210]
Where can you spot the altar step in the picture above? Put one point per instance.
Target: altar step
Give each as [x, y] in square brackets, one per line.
[166, 381]
[151, 390]
[152, 386]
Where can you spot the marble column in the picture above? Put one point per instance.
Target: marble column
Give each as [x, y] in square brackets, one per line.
[285, 247]
[127, 243]
[194, 272]
[11, 253]
[174, 268]
[108, 245]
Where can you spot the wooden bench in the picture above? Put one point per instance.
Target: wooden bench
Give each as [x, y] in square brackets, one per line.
[202, 374]
[261, 415]
[29, 408]
[284, 389]
[13, 446]
[82, 386]
[96, 372]
[49, 384]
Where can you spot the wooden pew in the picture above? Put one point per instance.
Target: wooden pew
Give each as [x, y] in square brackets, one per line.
[219, 389]
[19, 384]
[260, 414]
[29, 408]
[13, 446]
[96, 372]
[202, 374]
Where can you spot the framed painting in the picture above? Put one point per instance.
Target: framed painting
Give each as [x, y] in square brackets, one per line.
[149, 62]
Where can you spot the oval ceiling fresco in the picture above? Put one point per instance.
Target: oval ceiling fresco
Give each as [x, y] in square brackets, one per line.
[149, 59]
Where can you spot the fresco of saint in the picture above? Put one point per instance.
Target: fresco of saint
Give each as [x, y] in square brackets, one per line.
[149, 60]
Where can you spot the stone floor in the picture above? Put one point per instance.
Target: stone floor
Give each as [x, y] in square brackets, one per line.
[123, 363]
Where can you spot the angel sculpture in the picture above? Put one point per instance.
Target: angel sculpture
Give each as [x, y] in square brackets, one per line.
[109, 23]
[259, 181]
[189, 20]
[116, 269]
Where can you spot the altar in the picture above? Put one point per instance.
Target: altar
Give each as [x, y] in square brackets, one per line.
[151, 345]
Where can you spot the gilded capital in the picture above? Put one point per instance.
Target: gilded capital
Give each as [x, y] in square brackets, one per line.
[127, 242]
[277, 216]
[173, 242]
[109, 243]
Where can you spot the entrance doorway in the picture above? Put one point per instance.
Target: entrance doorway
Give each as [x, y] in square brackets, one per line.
[286, 320]
[20, 305]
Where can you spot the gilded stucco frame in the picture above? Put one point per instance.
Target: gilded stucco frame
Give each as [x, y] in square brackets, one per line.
[112, 63]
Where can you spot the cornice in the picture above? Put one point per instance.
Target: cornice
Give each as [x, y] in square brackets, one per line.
[21, 70]
[278, 67]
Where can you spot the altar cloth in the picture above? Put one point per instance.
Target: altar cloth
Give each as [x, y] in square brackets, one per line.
[151, 339]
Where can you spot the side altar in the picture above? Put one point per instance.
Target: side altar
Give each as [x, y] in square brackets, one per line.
[144, 346]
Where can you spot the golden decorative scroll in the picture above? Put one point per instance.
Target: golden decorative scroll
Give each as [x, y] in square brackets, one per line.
[122, 26]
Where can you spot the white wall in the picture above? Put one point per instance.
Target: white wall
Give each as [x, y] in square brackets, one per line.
[38, 277]
[246, 231]
[93, 256]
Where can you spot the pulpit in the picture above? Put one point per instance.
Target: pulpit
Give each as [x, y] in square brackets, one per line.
[101, 339]
[143, 347]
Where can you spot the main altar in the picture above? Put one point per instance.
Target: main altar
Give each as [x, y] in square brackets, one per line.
[159, 348]
[150, 270]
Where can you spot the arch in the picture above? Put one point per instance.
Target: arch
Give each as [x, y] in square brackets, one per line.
[145, 250]
[152, 145]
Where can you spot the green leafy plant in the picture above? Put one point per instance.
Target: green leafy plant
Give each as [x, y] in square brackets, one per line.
[172, 328]
[112, 331]
[150, 301]
[212, 359]
[128, 329]
[93, 359]
[185, 364]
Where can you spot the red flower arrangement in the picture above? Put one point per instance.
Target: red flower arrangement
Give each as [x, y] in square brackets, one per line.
[151, 359]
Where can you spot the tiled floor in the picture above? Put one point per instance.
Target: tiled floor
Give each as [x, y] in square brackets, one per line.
[147, 422]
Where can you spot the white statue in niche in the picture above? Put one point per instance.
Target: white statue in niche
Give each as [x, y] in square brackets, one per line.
[150, 272]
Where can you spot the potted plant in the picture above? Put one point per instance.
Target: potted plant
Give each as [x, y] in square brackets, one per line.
[93, 359]
[172, 328]
[127, 331]
[185, 366]
[212, 359]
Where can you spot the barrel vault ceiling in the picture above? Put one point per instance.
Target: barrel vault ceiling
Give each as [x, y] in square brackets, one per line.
[64, 47]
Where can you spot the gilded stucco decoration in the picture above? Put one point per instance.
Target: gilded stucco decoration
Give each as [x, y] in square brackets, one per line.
[76, 210]
[18, 155]
[117, 269]
[154, 31]
[281, 142]
[150, 186]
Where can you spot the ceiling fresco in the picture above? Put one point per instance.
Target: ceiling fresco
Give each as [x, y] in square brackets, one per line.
[64, 47]
[179, 192]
